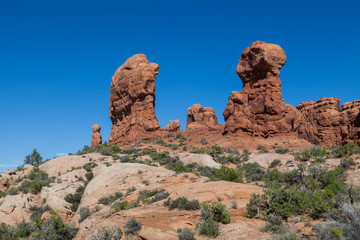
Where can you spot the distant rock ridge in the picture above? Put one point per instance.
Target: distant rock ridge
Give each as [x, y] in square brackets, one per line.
[199, 116]
[173, 126]
[258, 110]
[132, 100]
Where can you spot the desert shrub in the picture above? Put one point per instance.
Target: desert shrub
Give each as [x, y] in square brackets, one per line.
[182, 203]
[130, 190]
[275, 224]
[286, 236]
[123, 205]
[147, 196]
[89, 166]
[109, 233]
[38, 180]
[345, 150]
[209, 228]
[317, 154]
[186, 234]
[309, 191]
[228, 174]
[275, 163]
[2, 194]
[224, 159]
[203, 141]
[37, 211]
[261, 149]
[282, 150]
[89, 176]
[115, 149]
[345, 225]
[252, 171]
[75, 198]
[347, 163]
[132, 226]
[13, 191]
[112, 198]
[216, 211]
[84, 214]
[54, 228]
[245, 156]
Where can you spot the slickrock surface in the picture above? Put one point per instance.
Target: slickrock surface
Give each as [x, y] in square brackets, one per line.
[199, 116]
[132, 100]
[96, 138]
[173, 126]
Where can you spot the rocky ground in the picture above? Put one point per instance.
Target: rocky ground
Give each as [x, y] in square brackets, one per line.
[129, 174]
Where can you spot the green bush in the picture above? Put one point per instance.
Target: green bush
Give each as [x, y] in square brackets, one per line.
[2, 194]
[275, 163]
[186, 234]
[89, 166]
[282, 150]
[262, 149]
[347, 163]
[132, 226]
[89, 176]
[124, 205]
[147, 196]
[203, 141]
[182, 203]
[112, 198]
[84, 214]
[75, 198]
[228, 174]
[13, 191]
[38, 211]
[34, 158]
[209, 228]
[252, 171]
[109, 233]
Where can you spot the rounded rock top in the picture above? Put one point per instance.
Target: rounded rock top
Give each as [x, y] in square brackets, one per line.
[96, 128]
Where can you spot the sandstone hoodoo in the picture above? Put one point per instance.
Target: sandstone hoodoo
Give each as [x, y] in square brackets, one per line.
[173, 126]
[199, 116]
[328, 124]
[132, 100]
[259, 108]
[96, 138]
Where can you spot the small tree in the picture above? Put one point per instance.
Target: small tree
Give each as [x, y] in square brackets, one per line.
[34, 158]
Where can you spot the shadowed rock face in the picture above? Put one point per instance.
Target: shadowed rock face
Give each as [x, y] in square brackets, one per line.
[96, 138]
[132, 100]
[173, 126]
[259, 108]
[199, 116]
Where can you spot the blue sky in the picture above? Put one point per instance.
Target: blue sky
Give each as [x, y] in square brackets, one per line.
[57, 59]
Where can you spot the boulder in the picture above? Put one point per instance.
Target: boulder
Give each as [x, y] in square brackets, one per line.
[96, 138]
[132, 100]
[259, 108]
[199, 116]
[173, 126]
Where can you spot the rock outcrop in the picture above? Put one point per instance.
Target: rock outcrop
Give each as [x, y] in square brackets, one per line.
[96, 138]
[132, 100]
[259, 108]
[328, 124]
[199, 116]
[173, 126]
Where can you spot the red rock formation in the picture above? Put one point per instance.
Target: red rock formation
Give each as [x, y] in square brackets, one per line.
[132, 100]
[199, 116]
[326, 124]
[173, 126]
[259, 108]
[96, 138]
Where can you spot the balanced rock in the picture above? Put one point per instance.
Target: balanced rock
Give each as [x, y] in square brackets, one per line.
[328, 124]
[132, 100]
[173, 126]
[199, 116]
[96, 138]
[259, 108]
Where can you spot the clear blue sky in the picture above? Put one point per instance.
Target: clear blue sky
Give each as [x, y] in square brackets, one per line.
[57, 59]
